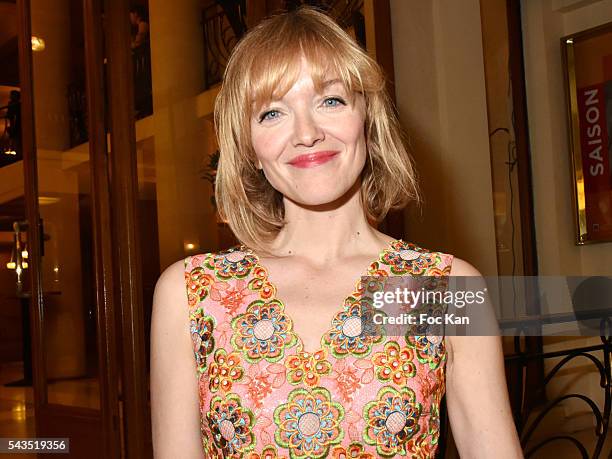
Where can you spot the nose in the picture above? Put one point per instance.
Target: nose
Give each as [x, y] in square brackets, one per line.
[307, 130]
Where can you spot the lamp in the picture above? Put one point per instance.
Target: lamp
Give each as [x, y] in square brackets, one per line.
[38, 44]
[19, 252]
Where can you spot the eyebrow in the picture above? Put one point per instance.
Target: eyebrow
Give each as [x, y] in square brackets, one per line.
[331, 82]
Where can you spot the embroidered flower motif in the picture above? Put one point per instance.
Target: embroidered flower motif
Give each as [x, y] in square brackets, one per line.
[309, 423]
[346, 379]
[230, 296]
[259, 381]
[224, 370]
[421, 447]
[375, 283]
[231, 263]
[307, 367]
[433, 426]
[231, 426]
[432, 310]
[431, 383]
[375, 270]
[353, 451]
[263, 331]
[350, 332]
[208, 444]
[258, 386]
[429, 349]
[391, 420]
[408, 258]
[394, 364]
[269, 452]
[198, 285]
[261, 284]
[201, 327]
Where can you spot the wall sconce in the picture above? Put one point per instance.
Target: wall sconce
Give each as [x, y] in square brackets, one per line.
[38, 44]
[19, 254]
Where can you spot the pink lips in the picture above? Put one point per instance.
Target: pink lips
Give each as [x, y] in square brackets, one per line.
[313, 159]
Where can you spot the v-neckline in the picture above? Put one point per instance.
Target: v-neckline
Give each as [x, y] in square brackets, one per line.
[300, 341]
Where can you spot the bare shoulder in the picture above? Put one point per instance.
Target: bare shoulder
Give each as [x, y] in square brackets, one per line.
[463, 268]
[460, 345]
[171, 282]
[170, 292]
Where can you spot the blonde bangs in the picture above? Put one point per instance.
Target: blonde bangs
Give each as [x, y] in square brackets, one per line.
[272, 74]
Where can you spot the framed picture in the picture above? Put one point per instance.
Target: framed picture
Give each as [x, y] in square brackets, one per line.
[587, 59]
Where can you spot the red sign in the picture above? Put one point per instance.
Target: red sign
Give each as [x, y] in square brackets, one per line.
[595, 118]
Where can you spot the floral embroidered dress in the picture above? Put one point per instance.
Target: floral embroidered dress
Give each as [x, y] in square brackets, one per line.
[262, 397]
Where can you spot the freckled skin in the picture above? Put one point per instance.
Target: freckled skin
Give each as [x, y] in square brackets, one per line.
[305, 122]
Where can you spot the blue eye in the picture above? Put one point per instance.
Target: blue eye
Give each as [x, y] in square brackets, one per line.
[337, 99]
[264, 116]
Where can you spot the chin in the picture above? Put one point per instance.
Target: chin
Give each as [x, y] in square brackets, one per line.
[313, 196]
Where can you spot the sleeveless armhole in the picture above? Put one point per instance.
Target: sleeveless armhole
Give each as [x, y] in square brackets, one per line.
[201, 325]
[447, 262]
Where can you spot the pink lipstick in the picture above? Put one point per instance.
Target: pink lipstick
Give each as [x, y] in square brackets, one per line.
[313, 159]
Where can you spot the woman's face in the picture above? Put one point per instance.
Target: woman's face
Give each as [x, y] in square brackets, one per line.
[311, 146]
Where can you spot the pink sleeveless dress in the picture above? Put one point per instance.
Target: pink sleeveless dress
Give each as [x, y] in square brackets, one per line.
[262, 397]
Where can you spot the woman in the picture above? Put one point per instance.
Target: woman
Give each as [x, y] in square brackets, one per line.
[140, 25]
[311, 159]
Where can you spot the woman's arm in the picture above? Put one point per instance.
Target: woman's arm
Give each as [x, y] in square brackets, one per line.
[174, 389]
[477, 395]
[141, 34]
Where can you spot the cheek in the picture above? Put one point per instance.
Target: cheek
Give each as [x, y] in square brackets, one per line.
[263, 146]
[351, 131]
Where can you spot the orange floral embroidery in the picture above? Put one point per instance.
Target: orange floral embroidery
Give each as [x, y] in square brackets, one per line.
[230, 297]
[269, 452]
[348, 376]
[431, 382]
[354, 451]
[261, 379]
[258, 389]
[421, 447]
[261, 284]
[307, 367]
[198, 284]
[394, 363]
[224, 370]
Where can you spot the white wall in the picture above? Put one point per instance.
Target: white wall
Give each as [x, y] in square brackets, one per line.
[441, 98]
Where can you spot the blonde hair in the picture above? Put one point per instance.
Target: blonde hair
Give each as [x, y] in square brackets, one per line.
[263, 66]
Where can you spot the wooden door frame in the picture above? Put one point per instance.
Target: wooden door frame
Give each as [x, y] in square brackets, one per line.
[102, 219]
[30, 172]
[534, 375]
[124, 195]
[89, 419]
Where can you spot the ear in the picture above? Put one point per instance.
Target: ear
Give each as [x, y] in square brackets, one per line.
[258, 164]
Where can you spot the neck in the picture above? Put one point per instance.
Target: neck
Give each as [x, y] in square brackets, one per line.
[329, 233]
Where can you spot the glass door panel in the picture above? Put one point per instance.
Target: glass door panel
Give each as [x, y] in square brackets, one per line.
[68, 286]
